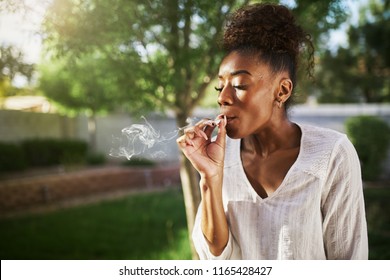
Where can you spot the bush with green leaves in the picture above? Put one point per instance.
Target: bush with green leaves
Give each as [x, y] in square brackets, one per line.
[11, 157]
[49, 152]
[139, 162]
[371, 137]
[96, 159]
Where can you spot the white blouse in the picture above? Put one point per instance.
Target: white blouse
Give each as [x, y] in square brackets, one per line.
[316, 213]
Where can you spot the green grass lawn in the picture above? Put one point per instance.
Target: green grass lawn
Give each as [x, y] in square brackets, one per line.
[142, 226]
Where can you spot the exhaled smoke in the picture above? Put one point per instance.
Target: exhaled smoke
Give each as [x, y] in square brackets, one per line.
[141, 140]
[145, 141]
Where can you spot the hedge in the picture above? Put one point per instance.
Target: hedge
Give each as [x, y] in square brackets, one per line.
[371, 137]
[41, 153]
[12, 157]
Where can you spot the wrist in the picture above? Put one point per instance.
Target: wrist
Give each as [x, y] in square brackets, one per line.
[213, 182]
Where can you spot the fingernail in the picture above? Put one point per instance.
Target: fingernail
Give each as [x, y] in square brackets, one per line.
[205, 136]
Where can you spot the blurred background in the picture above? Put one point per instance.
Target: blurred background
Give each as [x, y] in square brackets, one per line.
[74, 74]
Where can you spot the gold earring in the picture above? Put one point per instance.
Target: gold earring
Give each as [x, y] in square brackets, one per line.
[280, 104]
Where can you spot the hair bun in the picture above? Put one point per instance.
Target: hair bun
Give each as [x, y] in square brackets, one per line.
[270, 28]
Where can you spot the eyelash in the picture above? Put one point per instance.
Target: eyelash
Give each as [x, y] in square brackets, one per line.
[239, 87]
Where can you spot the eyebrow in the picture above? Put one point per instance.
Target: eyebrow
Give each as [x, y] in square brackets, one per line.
[238, 72]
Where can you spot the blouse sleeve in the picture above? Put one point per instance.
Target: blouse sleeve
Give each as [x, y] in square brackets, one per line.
[231, 251]
[344, 219]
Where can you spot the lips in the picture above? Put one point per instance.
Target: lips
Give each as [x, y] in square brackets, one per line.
[229, 119]
[230, 116]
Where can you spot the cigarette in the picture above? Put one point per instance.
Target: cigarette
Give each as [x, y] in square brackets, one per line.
[213, 123]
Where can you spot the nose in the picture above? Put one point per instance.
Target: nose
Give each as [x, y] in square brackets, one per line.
[225, 97]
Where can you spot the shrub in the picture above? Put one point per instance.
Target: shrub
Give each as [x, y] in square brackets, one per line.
[48, 152]
[370, 136]
[11, 157]
[73, 152]
[41, 152]
[142, 162]
[96, 159]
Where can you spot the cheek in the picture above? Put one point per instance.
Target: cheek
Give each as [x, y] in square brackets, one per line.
[258, 112]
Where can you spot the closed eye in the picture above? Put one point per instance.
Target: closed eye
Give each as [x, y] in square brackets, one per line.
[219, 89]
[240, 87]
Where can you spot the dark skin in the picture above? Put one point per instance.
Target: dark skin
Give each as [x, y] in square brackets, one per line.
[251, 101]
[272, 142]
[266, 172]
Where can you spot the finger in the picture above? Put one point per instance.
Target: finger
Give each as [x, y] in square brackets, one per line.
[211, 125]
[189, 142]
[221, 135]
[181, 142]
[191, 132]
[208, 130]
[207, 126]
[184, 141]
[196, 130]
[200, 132]
[203, 128]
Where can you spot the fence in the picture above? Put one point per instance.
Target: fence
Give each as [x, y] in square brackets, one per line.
[16, 125]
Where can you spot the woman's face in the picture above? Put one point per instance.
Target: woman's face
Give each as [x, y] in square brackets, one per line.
[248, 94]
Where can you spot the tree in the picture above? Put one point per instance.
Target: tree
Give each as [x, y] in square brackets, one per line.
[361, 71]
[91, 84]
[11, 5]
[12, 65]
[170, 45]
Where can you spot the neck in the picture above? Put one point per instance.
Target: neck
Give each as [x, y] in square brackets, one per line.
[277, 136]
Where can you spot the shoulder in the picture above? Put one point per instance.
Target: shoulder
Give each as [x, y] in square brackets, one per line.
[320, 135]
[321, 146]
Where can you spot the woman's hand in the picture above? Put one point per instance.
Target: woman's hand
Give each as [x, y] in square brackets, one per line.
[208, 159]
[206, 156]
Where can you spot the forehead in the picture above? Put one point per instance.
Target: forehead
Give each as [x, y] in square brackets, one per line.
[236, 61]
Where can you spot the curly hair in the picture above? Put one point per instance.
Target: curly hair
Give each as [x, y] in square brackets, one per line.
[270, 31]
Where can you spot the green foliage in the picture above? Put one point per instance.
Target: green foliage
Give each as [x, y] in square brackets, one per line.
[360, 71]
[48, 152]
[11, 65]
[142, 162]
[371, 138]
[11, 157]
[378, 222]
[156, 54]
[96, 159]
[84, 85]
[317, 17]
[333, 88]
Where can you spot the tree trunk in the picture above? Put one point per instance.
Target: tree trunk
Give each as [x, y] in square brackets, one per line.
[190, 185]
[92, 133]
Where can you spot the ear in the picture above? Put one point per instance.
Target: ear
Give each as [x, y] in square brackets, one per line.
[284, 90]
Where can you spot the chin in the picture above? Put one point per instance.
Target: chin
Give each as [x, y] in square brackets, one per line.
[233, 133]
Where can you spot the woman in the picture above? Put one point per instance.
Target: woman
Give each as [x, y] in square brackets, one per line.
[271, 188]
